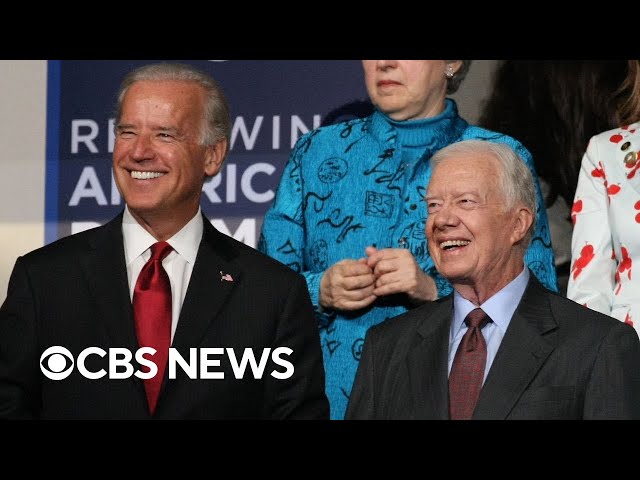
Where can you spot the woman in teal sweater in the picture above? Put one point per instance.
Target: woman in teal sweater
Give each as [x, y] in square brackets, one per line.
[349, 212]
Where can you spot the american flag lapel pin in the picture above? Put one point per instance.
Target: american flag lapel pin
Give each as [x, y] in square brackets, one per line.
[225, 277]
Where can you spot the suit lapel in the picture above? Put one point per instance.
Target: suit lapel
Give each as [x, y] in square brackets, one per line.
[427, 363]
[105, 272]
[528, 342]
[208, 290]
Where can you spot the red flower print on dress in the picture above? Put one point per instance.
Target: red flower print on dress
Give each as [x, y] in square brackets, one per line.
[628, 320]
[575, 209]
[586, 255]
[623, 266]
[612, 190]
[600, 173]
[636, 206]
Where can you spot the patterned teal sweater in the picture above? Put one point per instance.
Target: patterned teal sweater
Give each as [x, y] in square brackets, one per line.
[360, 183]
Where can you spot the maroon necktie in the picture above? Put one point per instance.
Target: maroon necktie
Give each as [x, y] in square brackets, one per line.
[467, 371]
[152, 313]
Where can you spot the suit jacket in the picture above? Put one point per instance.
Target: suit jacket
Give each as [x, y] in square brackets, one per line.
[557, 360]
[74, 293]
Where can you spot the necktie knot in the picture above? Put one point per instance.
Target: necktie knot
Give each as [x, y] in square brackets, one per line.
[476, 318]
[160, 250]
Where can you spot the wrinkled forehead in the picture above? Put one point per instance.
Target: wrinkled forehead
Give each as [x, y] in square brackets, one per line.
[477, 172]
[179, 92]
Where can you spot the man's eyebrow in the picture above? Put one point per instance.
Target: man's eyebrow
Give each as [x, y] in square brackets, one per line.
[165, 129]
[160, 128]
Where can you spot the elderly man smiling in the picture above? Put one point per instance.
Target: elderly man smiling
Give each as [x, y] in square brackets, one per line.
[502, 346]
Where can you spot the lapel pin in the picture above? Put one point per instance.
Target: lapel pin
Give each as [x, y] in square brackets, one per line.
[630, 159]
[225, 277]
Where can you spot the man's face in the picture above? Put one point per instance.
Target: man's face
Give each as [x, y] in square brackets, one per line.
[470, 233]
[159, 163]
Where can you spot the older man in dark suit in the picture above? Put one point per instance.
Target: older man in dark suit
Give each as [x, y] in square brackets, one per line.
[502, 346]
[214, 329]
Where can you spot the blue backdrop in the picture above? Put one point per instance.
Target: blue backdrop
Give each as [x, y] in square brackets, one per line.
[272, 104]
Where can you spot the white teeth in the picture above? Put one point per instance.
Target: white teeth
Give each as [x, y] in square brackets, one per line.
[454, 243]
[145, 175]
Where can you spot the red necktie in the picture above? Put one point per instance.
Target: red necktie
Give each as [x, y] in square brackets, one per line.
[467, 371]
[152, 313]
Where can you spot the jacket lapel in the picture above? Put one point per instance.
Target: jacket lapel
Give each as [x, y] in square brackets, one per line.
[105, 272]
[528, 342]
[427, 363]
[208, 290]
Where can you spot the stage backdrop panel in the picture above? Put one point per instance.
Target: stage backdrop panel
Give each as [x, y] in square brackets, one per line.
[273, 102]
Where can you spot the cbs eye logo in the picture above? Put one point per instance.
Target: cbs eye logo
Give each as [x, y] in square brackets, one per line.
[56, 363]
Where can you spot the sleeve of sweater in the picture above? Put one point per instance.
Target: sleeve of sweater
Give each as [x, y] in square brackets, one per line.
[283, 234]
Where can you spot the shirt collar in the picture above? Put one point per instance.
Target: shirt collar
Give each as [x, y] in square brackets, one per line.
[499, 307]
[137, 240]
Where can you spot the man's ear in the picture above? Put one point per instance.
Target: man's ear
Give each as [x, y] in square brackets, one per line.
[214, 157]
[522, 224]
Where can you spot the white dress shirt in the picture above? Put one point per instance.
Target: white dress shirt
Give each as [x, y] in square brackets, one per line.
[178, 264]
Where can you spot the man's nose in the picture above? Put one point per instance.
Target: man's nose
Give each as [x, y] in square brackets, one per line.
[142, 148]
[444, 217]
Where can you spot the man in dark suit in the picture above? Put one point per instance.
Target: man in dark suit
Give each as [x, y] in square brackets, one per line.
[218, 296]
[502, 346]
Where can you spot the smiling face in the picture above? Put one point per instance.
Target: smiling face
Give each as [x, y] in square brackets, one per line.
[471, 233]
[159, 163]
[408, 89]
